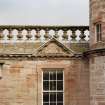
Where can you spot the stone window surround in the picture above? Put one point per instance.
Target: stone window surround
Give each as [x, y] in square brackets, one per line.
[98, 31]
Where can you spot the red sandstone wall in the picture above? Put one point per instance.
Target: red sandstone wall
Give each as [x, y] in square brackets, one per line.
[97, 62]
[97, 80]
[97, 15]
[22, 81]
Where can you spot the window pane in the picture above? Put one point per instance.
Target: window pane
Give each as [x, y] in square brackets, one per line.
[60, 75]
[52, 85]
[45, 97]
[52, 97]
[52, 103]
[59, 85]
[53, 75]
[98, 32]
[45, 85]
[60, 97]
[59, 103]
[46, 75]
[45, 103]
[97, 27]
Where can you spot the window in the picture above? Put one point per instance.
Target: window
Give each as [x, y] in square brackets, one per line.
[1, 67]
[53, 87]
[98, 32]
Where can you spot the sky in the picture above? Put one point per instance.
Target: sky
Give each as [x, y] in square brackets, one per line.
[44, 12]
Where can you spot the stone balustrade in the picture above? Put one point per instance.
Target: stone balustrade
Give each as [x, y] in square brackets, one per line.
[18, 33]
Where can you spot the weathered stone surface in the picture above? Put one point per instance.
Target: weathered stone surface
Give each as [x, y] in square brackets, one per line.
[97, 80]
[21, 82]
[18, 48]
[97, 56]
[97, 15]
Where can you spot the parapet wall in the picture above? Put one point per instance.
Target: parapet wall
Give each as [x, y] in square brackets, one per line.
[26, 39]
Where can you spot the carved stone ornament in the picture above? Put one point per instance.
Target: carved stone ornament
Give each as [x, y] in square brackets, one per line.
[54, 48]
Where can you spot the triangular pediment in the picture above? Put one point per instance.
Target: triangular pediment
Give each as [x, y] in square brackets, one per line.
[54, 48]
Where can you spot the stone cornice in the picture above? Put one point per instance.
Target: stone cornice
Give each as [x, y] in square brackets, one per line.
[95, 52]
[33, 57]
[42, 27]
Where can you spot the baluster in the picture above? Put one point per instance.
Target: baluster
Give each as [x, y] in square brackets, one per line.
[46, 36]
[65, 36]
[73, 36]
[1, 34]
[10, 36]
[82, 35]
[20, 36]
[56, 33]
[28, 36]
[37, 36]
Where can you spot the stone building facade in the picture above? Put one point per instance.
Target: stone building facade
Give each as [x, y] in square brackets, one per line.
[54, 65]
[97, 52]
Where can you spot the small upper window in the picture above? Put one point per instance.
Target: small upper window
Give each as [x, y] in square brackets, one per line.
[98, 32]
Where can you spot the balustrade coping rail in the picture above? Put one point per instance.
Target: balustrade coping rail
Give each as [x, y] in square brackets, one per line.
[43, 26]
